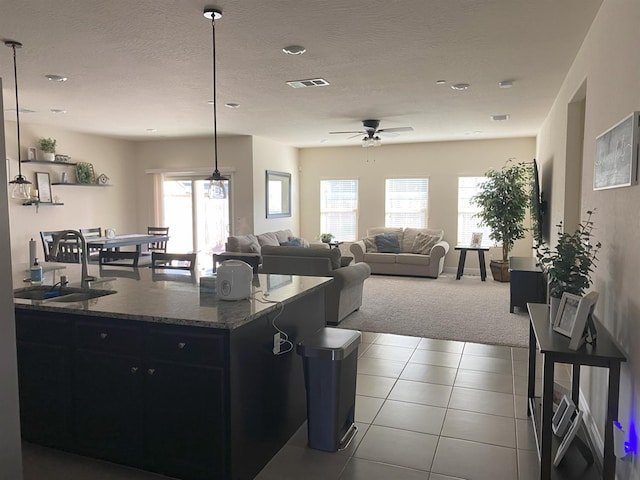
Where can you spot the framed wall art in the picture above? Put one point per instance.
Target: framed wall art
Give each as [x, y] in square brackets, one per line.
[278, 194]
[616, 162]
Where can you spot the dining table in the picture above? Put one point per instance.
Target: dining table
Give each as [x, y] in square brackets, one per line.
[124, 240]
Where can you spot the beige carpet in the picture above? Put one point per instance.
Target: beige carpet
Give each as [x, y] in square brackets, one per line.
[467, 310]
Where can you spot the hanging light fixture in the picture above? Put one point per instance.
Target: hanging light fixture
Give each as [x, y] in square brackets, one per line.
[20, 184]
[371, 141]
[216, 180]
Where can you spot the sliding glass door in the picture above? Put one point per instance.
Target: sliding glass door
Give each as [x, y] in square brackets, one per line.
[197, 222]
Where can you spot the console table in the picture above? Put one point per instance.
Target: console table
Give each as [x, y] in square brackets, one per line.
[555, 349]
[527, 282]
[463, 257]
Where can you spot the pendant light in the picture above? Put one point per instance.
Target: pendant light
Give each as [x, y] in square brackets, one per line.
[20, 184]
[216, 180]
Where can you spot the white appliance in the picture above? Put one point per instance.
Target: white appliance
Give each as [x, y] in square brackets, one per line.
[233, 280]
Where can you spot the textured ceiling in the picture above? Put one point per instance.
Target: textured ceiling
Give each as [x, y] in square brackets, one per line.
[137, 65]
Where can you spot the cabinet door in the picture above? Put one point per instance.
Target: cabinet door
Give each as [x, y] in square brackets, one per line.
[44, 376]
[108, 406]
[185, 421]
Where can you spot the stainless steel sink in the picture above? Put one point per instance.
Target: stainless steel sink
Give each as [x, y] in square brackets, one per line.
[59, 294]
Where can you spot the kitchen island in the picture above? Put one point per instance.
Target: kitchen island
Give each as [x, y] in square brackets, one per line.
[164, 377]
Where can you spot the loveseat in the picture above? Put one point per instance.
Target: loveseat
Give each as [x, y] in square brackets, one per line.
[402, 251]
[343, 295]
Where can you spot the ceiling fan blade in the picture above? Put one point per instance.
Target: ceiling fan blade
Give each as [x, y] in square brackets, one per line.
[359, 132]
[386, 133]
[354, 136]
[396, 129]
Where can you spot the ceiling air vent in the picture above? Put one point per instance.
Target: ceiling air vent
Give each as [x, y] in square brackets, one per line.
[312, 82]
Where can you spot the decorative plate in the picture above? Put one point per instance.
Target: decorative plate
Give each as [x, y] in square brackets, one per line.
[85, 173]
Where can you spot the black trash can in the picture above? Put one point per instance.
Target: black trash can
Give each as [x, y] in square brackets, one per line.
[330, 359]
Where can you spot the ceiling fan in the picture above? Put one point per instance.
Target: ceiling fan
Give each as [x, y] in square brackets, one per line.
[371, 132]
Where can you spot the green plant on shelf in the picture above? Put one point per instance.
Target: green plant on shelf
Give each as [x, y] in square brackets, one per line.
[48, 145]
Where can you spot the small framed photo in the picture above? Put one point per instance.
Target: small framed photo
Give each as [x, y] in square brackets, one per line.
[582, 325]
[44, 187]
[476, 239]
[31, 153]
[568, 438]
[562, 416]
[566, 316]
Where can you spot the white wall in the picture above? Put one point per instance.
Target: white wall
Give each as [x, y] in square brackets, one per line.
[441, 162]
[234, 153]
[10, 453]
[269, 155]
[84, 207]
[610, 64]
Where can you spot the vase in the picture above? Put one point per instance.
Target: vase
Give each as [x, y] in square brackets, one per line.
[49, 157]
[500, 270]
[554, 304]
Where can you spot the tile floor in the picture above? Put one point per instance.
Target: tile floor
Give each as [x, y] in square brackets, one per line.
[431, 410]
[425, 409]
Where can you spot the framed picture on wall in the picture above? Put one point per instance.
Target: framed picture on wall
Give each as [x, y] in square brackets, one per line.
[616, 162]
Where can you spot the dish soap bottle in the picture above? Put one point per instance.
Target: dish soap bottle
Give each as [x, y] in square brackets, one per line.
[36, 273]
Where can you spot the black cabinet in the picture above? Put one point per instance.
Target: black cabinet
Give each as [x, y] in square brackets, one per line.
[45, 379]
[527, 283]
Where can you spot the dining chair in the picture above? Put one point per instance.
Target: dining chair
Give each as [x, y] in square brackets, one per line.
[88, 234]
[118, 258]
[175, 261]
[161, 245]
[69, 247]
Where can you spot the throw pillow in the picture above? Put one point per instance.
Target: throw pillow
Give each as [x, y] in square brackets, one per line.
[424, 243]
[370, 245]
[293, 242]
[303, 243]
[387, 243]
[345, 261]
[335, 255]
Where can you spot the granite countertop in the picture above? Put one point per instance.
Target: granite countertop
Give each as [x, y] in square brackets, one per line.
[166, 298]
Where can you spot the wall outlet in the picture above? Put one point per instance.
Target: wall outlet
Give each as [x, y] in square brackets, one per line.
[276, 343]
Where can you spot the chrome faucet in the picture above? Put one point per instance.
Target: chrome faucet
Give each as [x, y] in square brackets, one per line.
[84, 258]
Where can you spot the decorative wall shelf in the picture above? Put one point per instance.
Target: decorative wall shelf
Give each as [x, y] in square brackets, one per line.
[41, 204]
[80, 184]
[47, 162]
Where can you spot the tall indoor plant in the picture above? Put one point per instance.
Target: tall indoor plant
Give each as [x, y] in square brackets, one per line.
[569, 266]
[503, 201]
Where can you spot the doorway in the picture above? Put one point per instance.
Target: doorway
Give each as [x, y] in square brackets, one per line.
[198, 221]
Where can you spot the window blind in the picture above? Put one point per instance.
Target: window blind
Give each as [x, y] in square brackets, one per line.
[406, 202]
[339, 208]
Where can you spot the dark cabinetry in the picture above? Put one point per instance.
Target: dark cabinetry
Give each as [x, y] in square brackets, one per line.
[44, 377]
[527, 283]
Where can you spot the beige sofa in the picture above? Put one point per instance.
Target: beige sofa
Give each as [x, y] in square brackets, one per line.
[406, 262]
[253, 243]
[343, 295]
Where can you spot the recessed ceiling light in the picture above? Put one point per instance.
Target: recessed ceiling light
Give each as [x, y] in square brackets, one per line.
[152, 130]
[210, 102]
[232, 105]
[58, 111]
[505, 84]
[56, 78]
[475, 132]
[441, 82]
[500, 118]
[460, 86]
[294, 50]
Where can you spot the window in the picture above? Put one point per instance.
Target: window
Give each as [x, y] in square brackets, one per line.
[467, 221]
[406, 202]
[339, 209]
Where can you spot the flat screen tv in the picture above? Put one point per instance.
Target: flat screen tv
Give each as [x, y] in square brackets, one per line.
[537, 205]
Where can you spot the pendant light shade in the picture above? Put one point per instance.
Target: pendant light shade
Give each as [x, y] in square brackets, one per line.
[21, 189]
[216, 180]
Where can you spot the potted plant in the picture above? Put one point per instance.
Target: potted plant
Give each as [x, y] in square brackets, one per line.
[569, 266]
[326, 237]
[503, 201]
[48, 147]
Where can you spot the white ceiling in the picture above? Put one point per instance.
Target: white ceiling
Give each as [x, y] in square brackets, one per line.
[139, 64]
